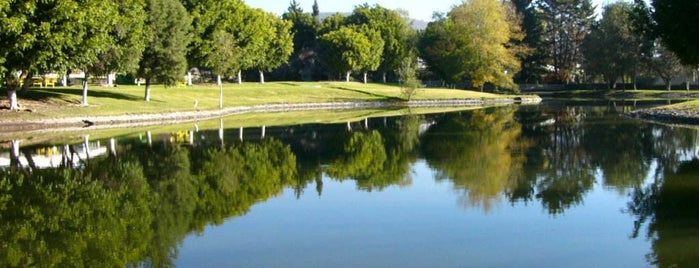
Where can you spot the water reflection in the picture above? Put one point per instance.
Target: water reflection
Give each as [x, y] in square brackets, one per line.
[132, 202]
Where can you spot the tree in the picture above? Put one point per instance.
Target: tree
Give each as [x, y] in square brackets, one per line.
[665, 64]
[304, 29]
[278, 44]
[534, 62]
[471, 44]
[347, 50]
[125, 44]
[215, 23]
[394, 29]
[676, 22]
[165, 55]
[44, 36]
[566, 23]
[606, 48]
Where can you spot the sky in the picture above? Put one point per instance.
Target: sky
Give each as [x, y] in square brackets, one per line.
[418, 9]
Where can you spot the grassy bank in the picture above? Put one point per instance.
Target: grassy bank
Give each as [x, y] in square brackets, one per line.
[62, 102]
[244, 120]
[689, 106]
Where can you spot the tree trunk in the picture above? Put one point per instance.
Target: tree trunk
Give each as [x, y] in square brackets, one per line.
[84, 103]
[347, 77]
[668, 83]
[218, 80]
[12, 95]
[384, 77]
[262, 77]
[147, 89]
[28, 82]
[110, 80]
[686, 82]
[240, 77]
[220, 95]
[635, 86]
[365, 79]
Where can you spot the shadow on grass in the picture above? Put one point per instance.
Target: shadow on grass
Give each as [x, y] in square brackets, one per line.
[41, 94]
[384, 97]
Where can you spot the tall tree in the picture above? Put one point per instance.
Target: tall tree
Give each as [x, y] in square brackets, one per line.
[606, 48]
[346, 50]
[394, 29]
[278, 44]
[566, 23]
[676, 26]
[665, 64]
[215, 23]
[44, 36]
[124, 47]
[304, 57]
[471, 45]
[533, 62]
[165, 55]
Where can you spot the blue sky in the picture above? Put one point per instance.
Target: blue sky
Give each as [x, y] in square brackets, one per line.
[418, 9]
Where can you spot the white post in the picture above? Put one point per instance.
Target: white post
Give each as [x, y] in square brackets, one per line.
[150, 138]
[112, 146]
[220, 131]
[191, 137]
[218, 80]
[366, 123]
[240, 134]
[240, 77]
[264, 129]
[15, 148]
[189, 78]
[349, 127]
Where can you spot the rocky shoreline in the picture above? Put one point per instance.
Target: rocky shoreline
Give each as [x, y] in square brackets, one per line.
[667, 115]
[130, 120]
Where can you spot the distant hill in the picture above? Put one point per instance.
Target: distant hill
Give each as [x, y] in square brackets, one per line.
[417, 24]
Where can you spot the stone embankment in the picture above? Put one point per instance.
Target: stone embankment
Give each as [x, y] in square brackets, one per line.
[668, 115]
[186, 116]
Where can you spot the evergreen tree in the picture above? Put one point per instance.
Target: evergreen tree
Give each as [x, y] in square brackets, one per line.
[566, 23]
[165, 56]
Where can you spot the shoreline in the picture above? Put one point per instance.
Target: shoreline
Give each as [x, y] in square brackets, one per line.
[673, 116]
[130, 120]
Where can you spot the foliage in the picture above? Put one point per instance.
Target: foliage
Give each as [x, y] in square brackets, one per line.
[566, 23]
[606, 48]
[215, 24]
[278, 43]
[43, 36]
[470, 44]
[394, 29]
[407, 75]
[349, 49]
[675, 25]
[168, 28]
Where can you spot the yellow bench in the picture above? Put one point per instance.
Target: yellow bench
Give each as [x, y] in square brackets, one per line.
[50, 82]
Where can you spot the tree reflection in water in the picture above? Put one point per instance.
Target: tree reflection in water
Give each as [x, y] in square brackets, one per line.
[669, 205]
[135, 206]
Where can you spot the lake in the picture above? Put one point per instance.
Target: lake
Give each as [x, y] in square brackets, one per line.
[562, 184]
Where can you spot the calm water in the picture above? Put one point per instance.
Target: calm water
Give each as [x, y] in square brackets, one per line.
[556, 185]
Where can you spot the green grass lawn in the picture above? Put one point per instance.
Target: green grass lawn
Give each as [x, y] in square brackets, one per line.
[689, 105]
[62, 102]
